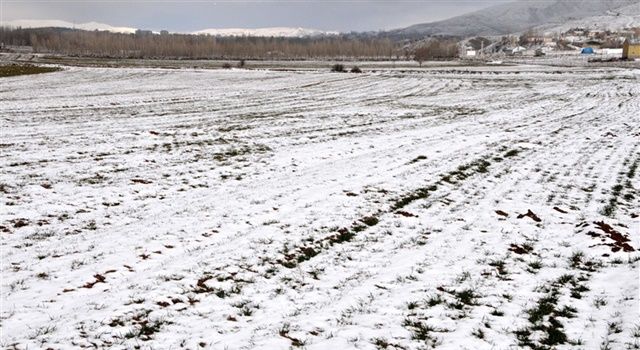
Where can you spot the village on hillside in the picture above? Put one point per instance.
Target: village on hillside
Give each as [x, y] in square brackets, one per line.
[598, 44]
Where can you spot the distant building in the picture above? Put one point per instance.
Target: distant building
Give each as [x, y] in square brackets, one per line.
[595, 33]
[575, 38]
[518, 50]
[578, 32]
[611, 52]
[631, 49]
[141, 32]
[471, 53]
[539, 40]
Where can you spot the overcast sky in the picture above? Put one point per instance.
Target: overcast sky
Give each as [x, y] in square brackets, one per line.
[358, 15]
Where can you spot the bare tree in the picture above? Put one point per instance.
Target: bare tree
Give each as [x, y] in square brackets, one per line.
[434, 49]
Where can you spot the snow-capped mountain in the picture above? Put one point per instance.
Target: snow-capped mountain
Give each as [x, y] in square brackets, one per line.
[519, 16]
[625, 17]
[286, 32]
[44, 23]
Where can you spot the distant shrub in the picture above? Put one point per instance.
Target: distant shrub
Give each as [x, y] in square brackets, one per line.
[436, 49]
[14, 69]
[337, 68]
[226, 65]
[241, 64]
[370, 220]
[356, 69]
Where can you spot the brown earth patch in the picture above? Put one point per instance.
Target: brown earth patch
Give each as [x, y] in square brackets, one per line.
[531, 215]
[98, 279]
[560, 210]
[502, 213]
[619, 240]
[524, 249]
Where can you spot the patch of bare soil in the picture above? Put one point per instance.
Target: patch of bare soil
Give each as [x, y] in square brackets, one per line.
[531, 215]
[619, 240]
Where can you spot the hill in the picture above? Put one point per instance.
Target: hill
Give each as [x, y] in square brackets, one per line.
[282, 32]
[625, 17]
[54, 23]
[517, 17]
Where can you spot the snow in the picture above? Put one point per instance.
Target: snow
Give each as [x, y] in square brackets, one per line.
[513, 17]
[43, 23]
[286, 32]
[620, 19]
[152, 208]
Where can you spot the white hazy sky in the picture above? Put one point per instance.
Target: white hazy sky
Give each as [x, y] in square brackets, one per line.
[190, 15]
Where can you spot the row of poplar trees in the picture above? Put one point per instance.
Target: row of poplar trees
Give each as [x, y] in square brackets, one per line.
[117, 45]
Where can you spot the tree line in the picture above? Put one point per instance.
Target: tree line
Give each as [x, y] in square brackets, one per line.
[436, 50]
[74, 42]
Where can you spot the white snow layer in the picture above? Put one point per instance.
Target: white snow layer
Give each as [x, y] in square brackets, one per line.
[43, 23]
[480, 208]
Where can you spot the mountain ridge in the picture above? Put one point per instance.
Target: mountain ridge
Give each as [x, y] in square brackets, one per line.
[515, 17]
[43, 23]
[625, 17]
[288, 32]
[503, 19]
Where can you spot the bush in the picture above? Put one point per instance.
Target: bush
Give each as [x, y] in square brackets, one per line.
[337, 68]
[356, 69]
[436, 49]
[241, 64]
[226, 65]
[14, 69]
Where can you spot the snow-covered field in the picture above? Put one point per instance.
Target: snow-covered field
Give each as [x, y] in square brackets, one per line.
[470, 208]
